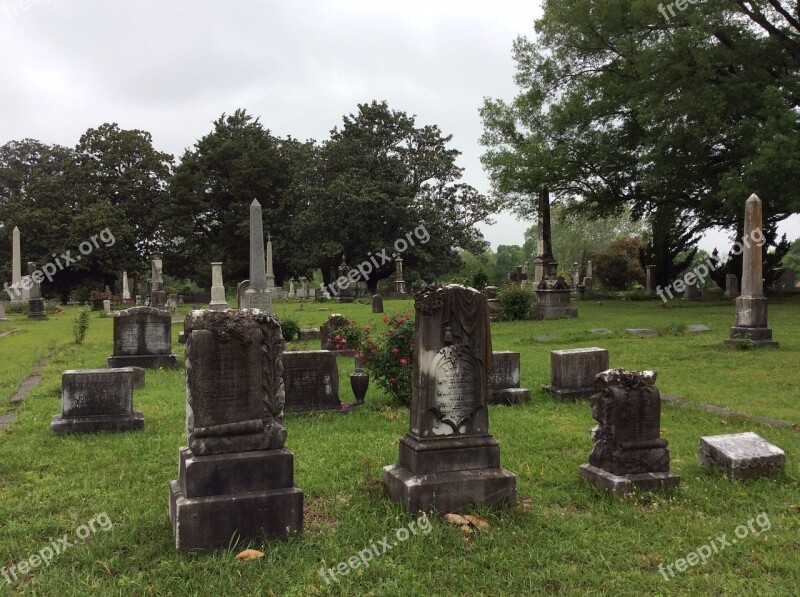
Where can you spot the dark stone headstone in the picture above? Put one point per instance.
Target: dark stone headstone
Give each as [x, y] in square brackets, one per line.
[311, 379]
[741, 455]
[142, 338]
[628, 449]
[236, 477]
[97, 400]
[377, 303]
[334, 322]
[310, 334]
[504, 378]
[448, 460]
[573, 371]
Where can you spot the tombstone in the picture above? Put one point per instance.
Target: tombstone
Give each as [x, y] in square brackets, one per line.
[495, 308]
[311, 379]
[553, 300]
[628, 450]
[97, 400]
[751, 306]
[504, 379]
[236, 478]
[21, 293]
[344, 284]
[731, 286]
[218, 302]
[310, 334]
[377, 303]
[270, 273]
[575, 275]
[399, 283]
[448, 460]
[126, 292]
[36, 309]
[3, 311]
[650, 284]
[642, 332]
[292, 293]
[139, 301]
[741, 455]
[544, 264]
[335, 321]
[518, 275]
[107, 308]
[158, 298]
[573, 371]
[600, 331]
[254, 295]
[692, 292]
[589, 273]
[302, 291]
[588, 283]
[142, 338]
[172, 303]
[697, 328]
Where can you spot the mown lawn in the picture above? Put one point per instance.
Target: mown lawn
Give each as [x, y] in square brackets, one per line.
[564, 537]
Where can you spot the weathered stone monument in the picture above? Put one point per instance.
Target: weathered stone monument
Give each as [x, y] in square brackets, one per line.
[741, 455]
[158, 298]
[504, 379]
[345, 285]
[236, 478]
[751, 306]
[518, 275]
[495, 308]
[628, 450]
[731, 286]
[21, 293]
[36, 308]
[588, 279]
[126, 292]
[218, 302]
[254, 293]
[650, 283]
[106, 308]
[448, 460]
[573, 372]
[142, 338]
[334, 321]
[3, 311]
[97, 400]
[399, 283]
[270, 274]
[692, 292]
[311, 381]
[377, 303]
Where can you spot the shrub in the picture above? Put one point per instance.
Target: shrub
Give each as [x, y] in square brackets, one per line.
[618, 265]
[515, 302]
[390, 359]
[480, 280]
[80, 325]
[348, 336]
[290, 329]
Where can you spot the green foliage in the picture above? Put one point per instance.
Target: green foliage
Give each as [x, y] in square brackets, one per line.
[347, 337]
[516, 303]
[290, 329]
[480, 280]
[390, 358]
[618, 266]
[792, 259]
[80, 325]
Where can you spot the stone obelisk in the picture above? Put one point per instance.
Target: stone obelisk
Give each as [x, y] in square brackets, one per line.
[126, 293]
[552, 291]
[256, 295]
[545, 263]
[270, 271]
[23, 294]
[218, 302]
[751, 306]
[158, 298]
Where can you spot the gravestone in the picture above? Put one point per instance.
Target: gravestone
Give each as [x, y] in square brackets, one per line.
[377, 303]
[697, 328]
[504, 379]
[310, 334]
[142, 338]
[518, 275]
[493, 303]
[741, 455]
[575, 275]
[751, 306]
[158, 298]
[345, 284]
[97, 400]
[126, 293]
[311, 380]
[731, 286]
[3, 311]
[399, 283]
[218, 302]
[544, 264]
[692, 292]
[21, 293]
[448, 460]
[236, 478]
[172, 302]
[254, 294]
[553, 300]
[642, 332]
[650, 283]
[573, 371]
[292, 293]
[270, 273]
[787, 279]
[628, 450]
[600, 331]
[36, 309]
[335, 321]
[107, 308]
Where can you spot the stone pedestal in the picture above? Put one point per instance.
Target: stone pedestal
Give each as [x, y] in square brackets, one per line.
[751, 322]
[236, 478]
[573, 371]
[553, 300]
[36, 309]
[142, 338]
[628, 450]
[741, 455]
[95, 400]
[448, 461]
[504, 379]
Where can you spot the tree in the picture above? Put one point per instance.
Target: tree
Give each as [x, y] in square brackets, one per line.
[618, 265]
[679, 119]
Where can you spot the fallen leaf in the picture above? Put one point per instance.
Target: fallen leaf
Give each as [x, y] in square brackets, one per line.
[477, 521]
[526, 505]
[794, 507]
[456, 519]
[250, 554]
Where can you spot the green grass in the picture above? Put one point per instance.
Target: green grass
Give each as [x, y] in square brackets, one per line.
[567, 539]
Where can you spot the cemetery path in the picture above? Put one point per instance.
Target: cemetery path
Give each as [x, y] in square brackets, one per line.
[7, 420]
[677, 400]
[33, 379]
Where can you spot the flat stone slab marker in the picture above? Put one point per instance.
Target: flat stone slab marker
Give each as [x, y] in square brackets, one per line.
[741, 455]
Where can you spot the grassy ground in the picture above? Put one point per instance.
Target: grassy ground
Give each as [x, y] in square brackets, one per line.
[564, 538]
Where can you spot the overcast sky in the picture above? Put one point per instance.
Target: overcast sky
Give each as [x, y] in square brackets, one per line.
[172, 67]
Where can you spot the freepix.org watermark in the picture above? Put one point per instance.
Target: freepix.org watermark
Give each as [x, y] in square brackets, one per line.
[56, 547]
[376, 260]
[699, 274]
[59, 263]
[14, 9]
[681, 5]
[702, 554]
[363, 558]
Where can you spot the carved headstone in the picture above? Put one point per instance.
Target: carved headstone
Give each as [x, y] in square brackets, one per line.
[573, 371]
[142, 338]
[311, 379]
[448, 460]
[377, 303]
[218, 302]
[158, 298]
[236, 478]
[97, 400]
[36, 309]
[628, 449]
[504, 379]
